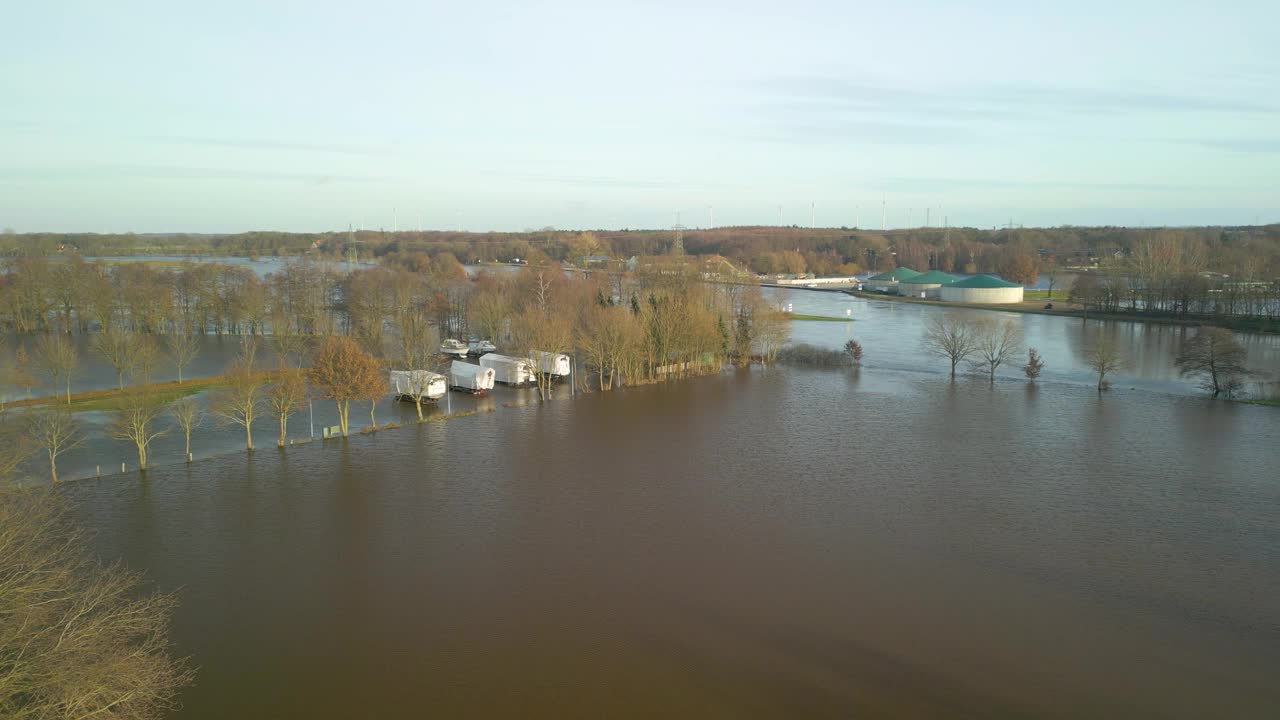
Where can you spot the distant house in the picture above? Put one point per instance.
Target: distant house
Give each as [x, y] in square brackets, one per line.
[587, 261]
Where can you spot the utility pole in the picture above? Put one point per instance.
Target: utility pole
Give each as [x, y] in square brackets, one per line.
[711, 217]
[882, 213]
[926, 216]
[779, 216]
[811, 214]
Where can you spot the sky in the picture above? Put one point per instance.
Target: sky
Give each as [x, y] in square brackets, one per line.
[234, 116]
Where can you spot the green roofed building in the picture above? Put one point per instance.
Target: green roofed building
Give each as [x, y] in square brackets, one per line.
[897, 274]
[925, 285]
[888, 281]
[983, 289]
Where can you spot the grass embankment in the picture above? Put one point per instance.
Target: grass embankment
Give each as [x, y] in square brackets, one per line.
[818, 318]
[92, 400]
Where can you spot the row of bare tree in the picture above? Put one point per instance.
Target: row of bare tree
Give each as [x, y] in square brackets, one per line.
[1212, 356]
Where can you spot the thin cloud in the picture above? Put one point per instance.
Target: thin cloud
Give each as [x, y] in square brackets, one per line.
[927, 184]
[615, 182]
[836, 93]
[275, 145]
[172, 172]
[1241, 145]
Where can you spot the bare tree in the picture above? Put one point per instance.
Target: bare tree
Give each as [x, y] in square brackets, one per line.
[79, 639]
[22, 376]
[15, 445]
[1105, 358]
[58, 357]
[342, 371]
[183, 347]
[994, 343]
[950, 338]
[117, 346]
[54, 431]
[375, 388]
[1214, 355]
[1034, 365]
[286, 395]
[135, 422]
[146, 356]
[187, 416]
[241, 401]
[772, 330]
[291, 346]
[418, 347]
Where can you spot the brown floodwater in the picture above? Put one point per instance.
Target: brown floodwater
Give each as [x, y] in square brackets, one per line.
[780, 543]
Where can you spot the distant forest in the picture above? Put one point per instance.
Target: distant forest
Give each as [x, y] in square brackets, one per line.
[1247, 252]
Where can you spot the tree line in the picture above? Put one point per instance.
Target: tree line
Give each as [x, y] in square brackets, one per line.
[1212, 357]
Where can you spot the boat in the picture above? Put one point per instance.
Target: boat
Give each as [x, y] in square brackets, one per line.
[454, 347]
[477, 347]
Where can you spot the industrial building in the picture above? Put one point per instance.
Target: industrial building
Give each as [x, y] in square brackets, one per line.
[888, 281]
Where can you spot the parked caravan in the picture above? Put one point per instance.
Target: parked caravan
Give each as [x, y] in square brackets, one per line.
[555, 364]
[508, 370]
[470, 378]
[406, 383]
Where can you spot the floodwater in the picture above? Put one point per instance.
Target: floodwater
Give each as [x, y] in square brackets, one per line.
[765, 543]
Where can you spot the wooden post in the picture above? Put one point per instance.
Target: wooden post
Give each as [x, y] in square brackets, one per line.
[121, 468]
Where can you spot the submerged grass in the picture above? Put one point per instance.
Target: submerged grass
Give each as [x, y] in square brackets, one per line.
[97, 400]
[819, 318]
[804, 354]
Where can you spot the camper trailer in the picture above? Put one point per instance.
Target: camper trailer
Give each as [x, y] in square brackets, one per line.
[407, 383]
[470, 378]
[554, 364]
[506, 369]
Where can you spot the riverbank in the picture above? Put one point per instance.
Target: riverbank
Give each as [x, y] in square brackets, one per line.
[1062, 308]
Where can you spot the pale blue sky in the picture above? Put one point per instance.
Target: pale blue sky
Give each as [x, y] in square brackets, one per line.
[228, 116]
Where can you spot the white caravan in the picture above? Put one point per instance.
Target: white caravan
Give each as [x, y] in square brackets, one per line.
[470, 378]
[506, 369]
[407, 383]
[554, 364]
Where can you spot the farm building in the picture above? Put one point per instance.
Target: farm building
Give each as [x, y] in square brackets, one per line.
[925, 285]
[888, 281]
[982, 289]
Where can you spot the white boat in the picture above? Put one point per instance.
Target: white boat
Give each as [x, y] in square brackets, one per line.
[408, 384]
[509, 370]
[454, 347]
[470, 378]
[478, 347]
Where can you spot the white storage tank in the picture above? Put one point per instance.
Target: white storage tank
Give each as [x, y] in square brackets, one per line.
[925, 285]
[470, 378]
[508, 370]
[983, 289]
